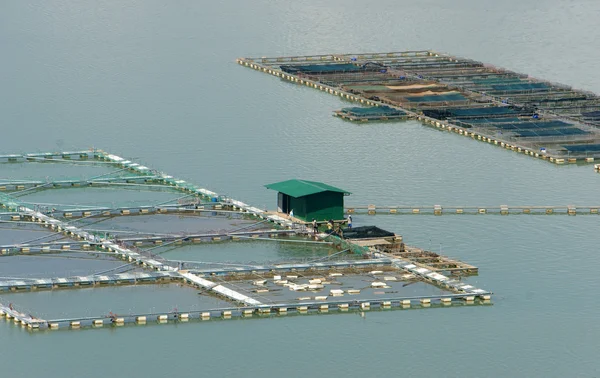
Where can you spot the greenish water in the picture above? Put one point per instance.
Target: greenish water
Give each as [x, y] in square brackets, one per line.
[256, 251]
[158, 82]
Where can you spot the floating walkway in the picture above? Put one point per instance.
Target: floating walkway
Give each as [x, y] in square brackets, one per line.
[18, 185]
[21, 185]
[46, 156]
[479, 210]
[538, 118]
[26, 320]
[89, 212]
[262, 311]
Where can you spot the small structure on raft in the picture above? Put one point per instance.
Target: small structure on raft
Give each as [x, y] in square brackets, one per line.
[309, 200]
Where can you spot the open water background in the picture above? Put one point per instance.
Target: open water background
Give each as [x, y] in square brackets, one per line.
[158, 81]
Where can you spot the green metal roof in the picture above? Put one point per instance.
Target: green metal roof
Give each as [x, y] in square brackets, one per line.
[300, 188]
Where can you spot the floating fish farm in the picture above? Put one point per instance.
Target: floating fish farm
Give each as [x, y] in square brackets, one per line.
[119, 229]
[514, 111]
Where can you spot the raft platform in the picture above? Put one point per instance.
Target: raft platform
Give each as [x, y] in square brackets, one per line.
[375, 113]
[514, 111]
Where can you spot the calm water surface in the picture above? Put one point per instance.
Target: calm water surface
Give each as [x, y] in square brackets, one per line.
[157, 81]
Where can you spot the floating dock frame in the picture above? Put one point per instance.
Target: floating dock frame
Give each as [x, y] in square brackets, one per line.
[375, 113]
[212, 281]
[474, 210]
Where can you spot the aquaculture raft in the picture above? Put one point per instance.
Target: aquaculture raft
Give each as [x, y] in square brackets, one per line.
[541, 119]
[235, 285]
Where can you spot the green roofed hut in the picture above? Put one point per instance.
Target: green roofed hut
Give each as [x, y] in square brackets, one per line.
[310, 199]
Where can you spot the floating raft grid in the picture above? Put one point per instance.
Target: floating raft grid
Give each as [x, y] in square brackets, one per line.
[439, 89]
